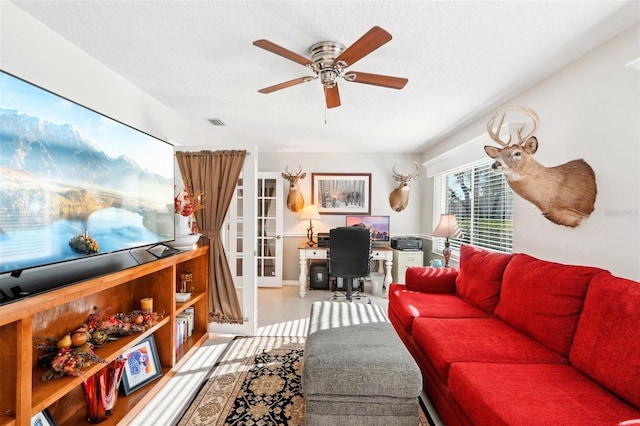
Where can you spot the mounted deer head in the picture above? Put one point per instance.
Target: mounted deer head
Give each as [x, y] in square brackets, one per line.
[565, 194]
[295, 202]
[399, 197]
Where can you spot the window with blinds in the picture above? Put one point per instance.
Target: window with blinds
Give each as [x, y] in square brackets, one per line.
[483, 204]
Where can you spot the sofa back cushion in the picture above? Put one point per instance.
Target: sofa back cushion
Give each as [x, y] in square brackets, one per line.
[480, 277]
[544, 299]
[431, 280]
[606, 346]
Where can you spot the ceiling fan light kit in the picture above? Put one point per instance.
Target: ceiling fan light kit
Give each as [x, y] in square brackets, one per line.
[329, 59]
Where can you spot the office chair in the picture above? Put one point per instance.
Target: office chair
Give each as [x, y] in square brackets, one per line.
[349, 257]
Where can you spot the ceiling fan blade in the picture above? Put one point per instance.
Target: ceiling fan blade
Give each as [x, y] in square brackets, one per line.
[376, 79]
[332, 96]
[285, 53]
[285, 84]
[366, 44]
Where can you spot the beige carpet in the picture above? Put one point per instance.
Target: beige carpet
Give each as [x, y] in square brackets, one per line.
[255, 382]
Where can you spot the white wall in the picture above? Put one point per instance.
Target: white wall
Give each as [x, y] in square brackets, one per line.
[590, 110]
[382, 183]
[406, 222]
[30, 50]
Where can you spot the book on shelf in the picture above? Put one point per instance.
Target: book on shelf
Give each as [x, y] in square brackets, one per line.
[189, 314]
[181, 331]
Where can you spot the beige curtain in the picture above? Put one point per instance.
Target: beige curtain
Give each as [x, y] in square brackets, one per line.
[215, 174]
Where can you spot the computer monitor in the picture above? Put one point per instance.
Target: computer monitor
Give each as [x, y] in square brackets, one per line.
[378, 226]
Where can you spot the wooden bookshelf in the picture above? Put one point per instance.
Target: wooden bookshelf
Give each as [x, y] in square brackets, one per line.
[23, 393]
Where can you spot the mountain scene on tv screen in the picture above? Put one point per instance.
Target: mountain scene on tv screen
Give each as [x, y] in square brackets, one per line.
[374, 230]
[62, 197]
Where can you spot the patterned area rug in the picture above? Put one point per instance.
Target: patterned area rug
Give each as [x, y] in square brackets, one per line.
[256, 382]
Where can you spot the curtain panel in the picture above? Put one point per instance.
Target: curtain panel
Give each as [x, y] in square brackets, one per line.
[215, 174]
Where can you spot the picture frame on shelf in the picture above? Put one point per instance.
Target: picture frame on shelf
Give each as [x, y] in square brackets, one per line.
[341, 193]
[43, 418]
[142, 367]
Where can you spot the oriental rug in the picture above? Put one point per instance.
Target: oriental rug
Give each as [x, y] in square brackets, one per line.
[256, 381]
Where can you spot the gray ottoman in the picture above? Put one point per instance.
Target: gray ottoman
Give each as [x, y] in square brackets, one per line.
[356, 369]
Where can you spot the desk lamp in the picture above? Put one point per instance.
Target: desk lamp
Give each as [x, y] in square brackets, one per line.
[310, 212]
[447, 228]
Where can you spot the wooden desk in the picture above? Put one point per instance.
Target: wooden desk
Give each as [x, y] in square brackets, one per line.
[320, 253]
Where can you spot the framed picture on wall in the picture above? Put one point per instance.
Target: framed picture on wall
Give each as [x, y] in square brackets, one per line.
[341, 193]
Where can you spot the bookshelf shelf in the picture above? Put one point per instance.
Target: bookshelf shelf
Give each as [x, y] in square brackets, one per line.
[23, 393]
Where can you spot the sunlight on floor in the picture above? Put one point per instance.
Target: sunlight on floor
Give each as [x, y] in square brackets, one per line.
[167, 406]
[289, 328]
[281, 312]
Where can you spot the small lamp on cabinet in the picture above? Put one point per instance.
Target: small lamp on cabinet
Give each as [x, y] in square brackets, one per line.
[310, 212]
[447, 228]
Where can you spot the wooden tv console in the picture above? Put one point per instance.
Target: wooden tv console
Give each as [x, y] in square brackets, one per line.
[23, 394]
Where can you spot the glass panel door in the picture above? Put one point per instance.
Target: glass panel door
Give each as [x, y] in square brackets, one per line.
[269, 228]
[234, 235]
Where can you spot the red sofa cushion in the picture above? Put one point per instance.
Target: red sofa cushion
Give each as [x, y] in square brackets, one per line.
[606, 346]
[533, 394]
[447, 341]
[431, 280]
[480, 277]
[544, 299]
[408, 305]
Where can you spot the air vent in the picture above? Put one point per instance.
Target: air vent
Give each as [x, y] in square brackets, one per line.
[215, 121]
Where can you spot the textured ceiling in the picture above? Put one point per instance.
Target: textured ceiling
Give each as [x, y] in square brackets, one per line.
[461, 58]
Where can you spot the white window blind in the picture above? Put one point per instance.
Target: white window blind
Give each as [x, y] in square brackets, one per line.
[483, 204]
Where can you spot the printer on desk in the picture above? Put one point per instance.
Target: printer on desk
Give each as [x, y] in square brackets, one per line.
[323, 239]
[397, 243]
[406, 243]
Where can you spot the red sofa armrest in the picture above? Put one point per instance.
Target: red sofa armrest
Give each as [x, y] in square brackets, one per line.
[426, 279]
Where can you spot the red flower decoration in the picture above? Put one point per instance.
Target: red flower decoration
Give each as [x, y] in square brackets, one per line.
[186, 202]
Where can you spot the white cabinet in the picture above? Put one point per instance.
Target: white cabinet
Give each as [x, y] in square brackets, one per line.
[403, 260]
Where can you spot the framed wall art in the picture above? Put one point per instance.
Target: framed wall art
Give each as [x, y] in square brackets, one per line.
[142, 367]
[341, 193]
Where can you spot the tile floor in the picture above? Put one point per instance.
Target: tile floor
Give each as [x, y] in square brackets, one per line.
[282, 312]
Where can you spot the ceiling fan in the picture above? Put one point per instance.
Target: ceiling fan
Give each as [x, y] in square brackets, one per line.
[329, 60]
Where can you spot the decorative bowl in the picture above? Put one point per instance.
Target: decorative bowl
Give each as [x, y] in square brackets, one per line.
[184, 241]
[183, 297]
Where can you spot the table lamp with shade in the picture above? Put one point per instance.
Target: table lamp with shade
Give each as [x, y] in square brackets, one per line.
[447, 228]
[310, 212]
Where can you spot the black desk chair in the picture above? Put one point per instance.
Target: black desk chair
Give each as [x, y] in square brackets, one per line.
[349, 257]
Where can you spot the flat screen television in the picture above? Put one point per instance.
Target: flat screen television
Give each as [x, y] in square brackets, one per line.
[75, 183]
[378, 226]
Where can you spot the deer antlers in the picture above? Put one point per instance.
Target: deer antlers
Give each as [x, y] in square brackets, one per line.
[400, 177]
[290, 174]
[495, 135]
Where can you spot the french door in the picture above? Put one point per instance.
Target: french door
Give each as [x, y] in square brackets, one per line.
[234, 234]
[269, 188]
[269, 227]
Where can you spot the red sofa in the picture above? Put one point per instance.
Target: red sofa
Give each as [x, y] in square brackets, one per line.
[515, 340]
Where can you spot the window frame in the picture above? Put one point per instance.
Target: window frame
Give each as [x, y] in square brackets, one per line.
[502, 239]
